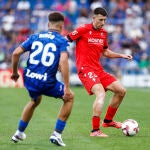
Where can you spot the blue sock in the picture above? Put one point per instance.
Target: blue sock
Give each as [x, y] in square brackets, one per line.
[60, 125]
[22, 125]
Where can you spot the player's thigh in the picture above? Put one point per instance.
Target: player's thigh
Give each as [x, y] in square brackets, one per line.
[98, 89]
[116, 87]
[88, 78]
[57, 91]
[36, 96]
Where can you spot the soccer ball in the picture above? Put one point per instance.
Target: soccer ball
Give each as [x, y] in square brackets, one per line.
[130, 127]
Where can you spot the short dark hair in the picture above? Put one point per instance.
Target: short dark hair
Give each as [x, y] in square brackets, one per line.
[55, 17]
[100, 10]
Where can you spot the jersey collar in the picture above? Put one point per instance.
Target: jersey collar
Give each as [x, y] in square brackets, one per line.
[94, 27]
[53, 30]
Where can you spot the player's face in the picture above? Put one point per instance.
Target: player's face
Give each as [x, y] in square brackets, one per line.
[98, 21]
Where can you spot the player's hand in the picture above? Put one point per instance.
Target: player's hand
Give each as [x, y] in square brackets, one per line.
[129, 57]
[68, 94]
[15, 76]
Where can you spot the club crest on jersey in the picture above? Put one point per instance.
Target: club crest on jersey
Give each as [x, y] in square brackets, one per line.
[101, 34]
[36, 75]
[90, 32]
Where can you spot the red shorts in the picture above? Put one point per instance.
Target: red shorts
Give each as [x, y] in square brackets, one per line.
[90, 77]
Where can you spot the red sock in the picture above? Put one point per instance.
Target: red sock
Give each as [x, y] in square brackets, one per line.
[110, 113]
[95, 122]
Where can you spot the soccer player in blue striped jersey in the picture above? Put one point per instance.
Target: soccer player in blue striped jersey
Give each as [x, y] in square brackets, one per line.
[47, 54]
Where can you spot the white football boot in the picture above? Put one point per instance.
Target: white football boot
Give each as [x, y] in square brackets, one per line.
[18, 136]
[56, 139]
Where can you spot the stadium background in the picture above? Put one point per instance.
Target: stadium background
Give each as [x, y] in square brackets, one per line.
[128, 25]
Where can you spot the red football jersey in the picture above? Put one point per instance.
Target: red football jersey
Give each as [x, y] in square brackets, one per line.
[90, 43]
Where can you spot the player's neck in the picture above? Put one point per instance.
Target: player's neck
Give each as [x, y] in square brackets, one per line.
[94, 27]
[54, 29]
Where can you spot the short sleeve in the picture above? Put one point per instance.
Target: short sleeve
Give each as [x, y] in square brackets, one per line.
[26, 45]
[74, 35]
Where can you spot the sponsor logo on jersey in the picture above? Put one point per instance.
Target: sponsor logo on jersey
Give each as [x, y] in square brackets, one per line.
[37, 76]
[96, 41]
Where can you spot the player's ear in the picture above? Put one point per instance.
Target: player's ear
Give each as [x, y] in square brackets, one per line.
[48, 25]
[61, 25]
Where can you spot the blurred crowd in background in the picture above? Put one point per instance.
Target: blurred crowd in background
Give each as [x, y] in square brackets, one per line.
[128, 25]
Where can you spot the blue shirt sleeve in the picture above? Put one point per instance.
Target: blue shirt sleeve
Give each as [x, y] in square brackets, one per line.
[64, 45]
[26, 45]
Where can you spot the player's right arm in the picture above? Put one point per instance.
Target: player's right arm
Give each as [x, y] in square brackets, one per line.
[15, 60]
[25, 46]
[77, 33]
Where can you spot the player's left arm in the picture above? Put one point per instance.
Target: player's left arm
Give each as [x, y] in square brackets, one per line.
[110, 54]
[64, 67]
[15, 60]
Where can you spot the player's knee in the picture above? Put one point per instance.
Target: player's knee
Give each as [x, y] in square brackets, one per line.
[123, 92]
[36, 102]
[102, 95]
[69, 99]
[73, 97]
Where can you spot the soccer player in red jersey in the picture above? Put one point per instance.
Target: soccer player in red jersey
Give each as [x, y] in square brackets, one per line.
[91, 44]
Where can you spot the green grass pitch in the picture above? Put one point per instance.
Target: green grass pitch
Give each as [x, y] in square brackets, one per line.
[136, 105]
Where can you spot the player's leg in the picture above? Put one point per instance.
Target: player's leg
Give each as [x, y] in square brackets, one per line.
[61, 122]
[92, 82]
[63, 115]
[99, 91]
[25, 118]
[119, 93]
[29, 109]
